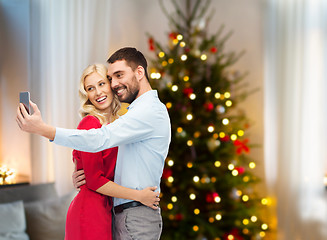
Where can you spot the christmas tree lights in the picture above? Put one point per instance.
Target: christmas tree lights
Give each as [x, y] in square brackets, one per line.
[208, 181]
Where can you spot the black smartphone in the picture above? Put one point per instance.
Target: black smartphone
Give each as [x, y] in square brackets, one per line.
[24, 98]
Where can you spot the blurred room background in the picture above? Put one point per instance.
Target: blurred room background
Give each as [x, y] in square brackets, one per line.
[45, 45]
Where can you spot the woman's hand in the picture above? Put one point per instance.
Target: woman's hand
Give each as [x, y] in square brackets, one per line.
[78, 177]
[149, 197]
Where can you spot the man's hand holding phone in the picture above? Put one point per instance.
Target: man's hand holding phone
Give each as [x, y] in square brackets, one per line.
[33, 123]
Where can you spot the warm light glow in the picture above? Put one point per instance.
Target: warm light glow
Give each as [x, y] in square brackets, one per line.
[227, 94]
[231, 166]
[203, 57]
[186, 78]
[217, 95]
[211, 129]
[175, 41]
[228, 103]
[161, 54]
[170, 179]
[189, 165]
[183, 57]
[189, 143]
[246, 178]
[174, 199]
[189, 116]
[155, 75]
[179, 129]
[230, 237]
[192, 96]
[215, 135]
[217, 199]
[213, 179]
[197, 134]
[179, 37]
[208, 89]
[217, 163]
[170, 60]
[196, 211]
[182, 44]
[262, 234]
[239, 193]
[170, 206]
[174, 88]
[264, 226]
[264, 201]
[170, 163]
[164, 63]
[196, 179]
[195, 228]
[245, 198]
[168, 105]
[234, 172]
[254, 218]
[192, 196]
[246, 221]
[218, 217]
[233, 137]
[252, 165]
[240, 133]
[222, 134]
[211, 220]
[225, 121]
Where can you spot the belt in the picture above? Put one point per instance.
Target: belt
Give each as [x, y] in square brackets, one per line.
[122, 207]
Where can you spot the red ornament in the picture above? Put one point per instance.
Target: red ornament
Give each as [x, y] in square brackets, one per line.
[179, 217]
[213, 49]
[166, 173]
[240, 170]
[225, 139]
[188, 91]
[234, 233]
[210, 197]
[151, 44]
[241, 146]
[209, 106]
[173, 35]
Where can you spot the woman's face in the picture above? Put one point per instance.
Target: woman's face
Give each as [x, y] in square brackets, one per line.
[99, 92]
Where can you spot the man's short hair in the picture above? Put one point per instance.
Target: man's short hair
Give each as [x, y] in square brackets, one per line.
[133, 58]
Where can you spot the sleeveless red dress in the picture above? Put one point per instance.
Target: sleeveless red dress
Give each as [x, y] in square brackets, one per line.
[89, 216]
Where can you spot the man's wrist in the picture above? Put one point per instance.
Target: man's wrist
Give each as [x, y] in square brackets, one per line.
[48, 131]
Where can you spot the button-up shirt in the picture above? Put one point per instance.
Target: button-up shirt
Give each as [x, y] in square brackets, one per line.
[142, 135]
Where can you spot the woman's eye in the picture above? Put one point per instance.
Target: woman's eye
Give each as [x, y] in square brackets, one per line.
[102, 83]
[89, 89]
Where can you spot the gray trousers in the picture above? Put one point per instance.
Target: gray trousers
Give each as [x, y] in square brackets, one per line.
[138, 223]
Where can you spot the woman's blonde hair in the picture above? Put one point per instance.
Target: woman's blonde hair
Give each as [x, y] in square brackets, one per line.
[87, 108]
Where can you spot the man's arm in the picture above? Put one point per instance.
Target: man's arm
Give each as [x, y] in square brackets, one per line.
[124, 130]
[147, 196]
[34, 123]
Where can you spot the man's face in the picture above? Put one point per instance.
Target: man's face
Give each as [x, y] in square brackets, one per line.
[123, 81]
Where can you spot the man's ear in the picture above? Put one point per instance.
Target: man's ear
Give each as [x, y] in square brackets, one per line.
[140, 72]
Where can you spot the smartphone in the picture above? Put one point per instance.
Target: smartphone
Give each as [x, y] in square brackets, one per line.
[24, 98]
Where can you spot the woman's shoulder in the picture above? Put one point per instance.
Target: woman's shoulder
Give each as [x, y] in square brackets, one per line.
[89, 122]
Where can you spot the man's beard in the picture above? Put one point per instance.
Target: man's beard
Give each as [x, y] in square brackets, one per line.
[130, 98]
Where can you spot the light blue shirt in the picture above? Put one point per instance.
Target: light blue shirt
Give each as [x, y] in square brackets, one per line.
[143, 135]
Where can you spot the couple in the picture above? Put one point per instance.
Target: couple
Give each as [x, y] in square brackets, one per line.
[142, 136]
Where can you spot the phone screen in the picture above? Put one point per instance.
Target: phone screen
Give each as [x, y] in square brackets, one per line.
[24, 98]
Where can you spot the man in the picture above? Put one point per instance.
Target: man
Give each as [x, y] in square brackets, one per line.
[143, 135]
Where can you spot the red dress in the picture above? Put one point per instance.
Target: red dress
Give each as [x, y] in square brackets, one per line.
[89, 215]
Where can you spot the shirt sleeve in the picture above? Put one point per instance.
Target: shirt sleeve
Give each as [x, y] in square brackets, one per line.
[134, 126]
[93, 164]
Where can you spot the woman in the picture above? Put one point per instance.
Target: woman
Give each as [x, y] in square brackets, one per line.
[89, 215]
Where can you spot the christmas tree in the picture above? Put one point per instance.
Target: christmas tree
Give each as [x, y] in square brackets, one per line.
[208, 181]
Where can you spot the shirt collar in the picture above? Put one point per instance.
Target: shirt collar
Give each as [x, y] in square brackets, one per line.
[143, 97]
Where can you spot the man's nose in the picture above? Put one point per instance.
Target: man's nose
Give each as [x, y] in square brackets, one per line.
[114, 83]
